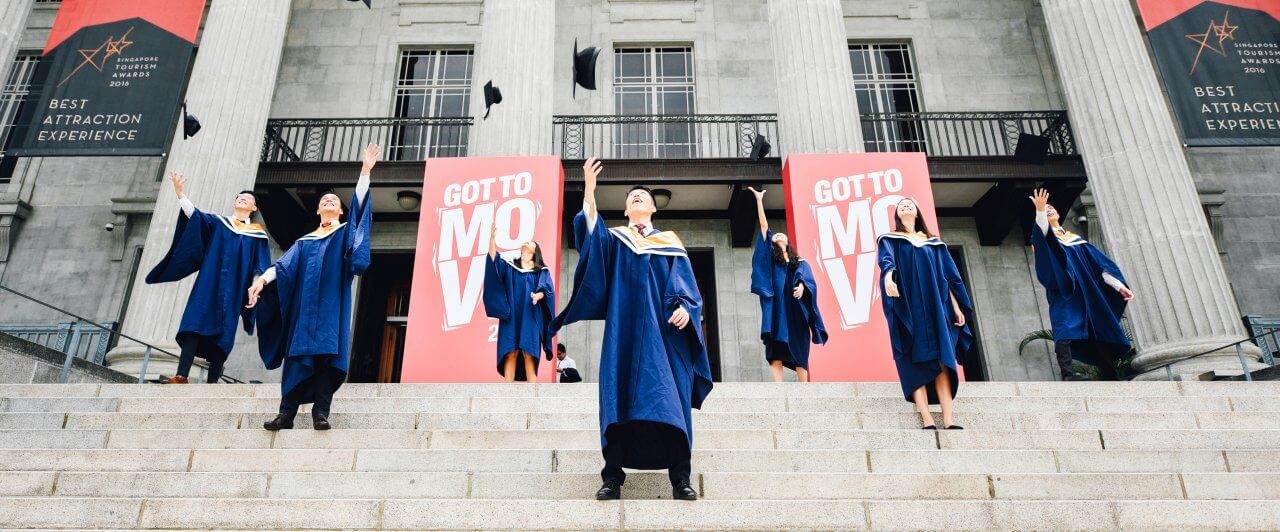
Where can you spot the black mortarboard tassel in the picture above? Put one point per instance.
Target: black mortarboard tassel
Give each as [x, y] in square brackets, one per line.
[190, 126]
[367, 3]
[760, 147]
[584, 67]
[492, 96]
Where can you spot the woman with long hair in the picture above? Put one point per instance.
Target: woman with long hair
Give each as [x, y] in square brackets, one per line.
[519, 293]
[789, 316]
[927, 309]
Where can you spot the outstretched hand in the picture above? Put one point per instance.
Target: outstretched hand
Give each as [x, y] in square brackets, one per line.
[179, 183]
[369, 157]
[255, 290]
[759, 193]
[1040, 198]
[679, 318]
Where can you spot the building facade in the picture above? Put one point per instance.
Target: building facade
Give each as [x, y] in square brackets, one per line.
[288, 91]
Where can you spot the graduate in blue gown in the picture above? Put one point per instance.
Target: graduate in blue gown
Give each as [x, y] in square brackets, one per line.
[1086, 292]
[227, 252]
[305, 317]
[789, 316]
[927, 309]
[653, 362]
[519, 293]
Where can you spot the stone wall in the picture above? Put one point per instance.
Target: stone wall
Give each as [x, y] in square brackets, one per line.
[23, 362]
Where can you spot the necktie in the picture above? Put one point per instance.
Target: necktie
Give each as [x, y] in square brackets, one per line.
[640, 229]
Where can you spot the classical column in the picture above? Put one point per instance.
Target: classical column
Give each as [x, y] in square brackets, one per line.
[817, 109]
[1146, 199]
[231, 87]
[13, 19]
[515, 52]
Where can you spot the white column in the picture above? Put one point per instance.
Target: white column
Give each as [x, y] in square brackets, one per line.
[817, 109]
[230, 91]
[13, 19]
[1146, 198]
[515, 52]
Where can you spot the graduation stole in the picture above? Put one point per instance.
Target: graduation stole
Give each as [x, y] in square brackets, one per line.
[663, 243]
[512, 258]
[243, 228]
[323, 232]
[1067, 238]
[914, 240]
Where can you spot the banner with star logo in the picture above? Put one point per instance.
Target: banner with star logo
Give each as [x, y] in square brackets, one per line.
[1220, 61]
[110, 80]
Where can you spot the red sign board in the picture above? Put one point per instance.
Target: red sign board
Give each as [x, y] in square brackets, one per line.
[838, 205]
[449, 338]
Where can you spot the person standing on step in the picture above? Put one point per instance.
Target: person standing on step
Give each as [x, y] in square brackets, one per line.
[927, 309]
[1086, 292]
[519, 293]
[789, 315]
[566, 367]
[226, 252]
[305, 320]
[653, 362]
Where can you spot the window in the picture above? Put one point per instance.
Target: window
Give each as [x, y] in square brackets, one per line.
[654, 81]
[12, 93]
[884, 80]
[432, 84]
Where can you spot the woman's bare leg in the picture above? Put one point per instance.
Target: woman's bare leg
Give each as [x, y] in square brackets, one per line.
[530, 367]
[943, 385]
[776, 368]
[921, 399]
[802, 374]
[509, 367]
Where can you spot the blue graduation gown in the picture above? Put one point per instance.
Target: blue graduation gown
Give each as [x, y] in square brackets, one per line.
[521, 324]
[922, 327]
[228, 255]
[305, 320]
[1081, 306]
[651, 373]
[787, 324]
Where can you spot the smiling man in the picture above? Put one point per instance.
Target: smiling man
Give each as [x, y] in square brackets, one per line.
[228, 252]
[653, 360]
[305, 320]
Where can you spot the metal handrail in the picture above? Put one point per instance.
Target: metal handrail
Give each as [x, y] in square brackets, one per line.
[71, 352]
[340, 139]
[684, 136]
[966, 133]
[1239, 345]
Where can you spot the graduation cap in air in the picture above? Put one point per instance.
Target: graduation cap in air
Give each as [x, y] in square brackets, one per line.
[584, 67]
[760, 147]
[190, 126]
[367, 3]
[492, 96]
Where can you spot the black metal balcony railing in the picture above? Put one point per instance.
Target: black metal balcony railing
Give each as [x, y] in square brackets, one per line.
[975, 134]
[341, 139]
[661, 136]
[972, 134]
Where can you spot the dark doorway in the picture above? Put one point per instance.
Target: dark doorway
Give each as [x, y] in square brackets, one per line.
[704, 273]
[382, 316]
[975, 367]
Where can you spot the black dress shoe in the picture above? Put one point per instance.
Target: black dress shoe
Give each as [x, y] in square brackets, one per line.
[954, 427]
[320, 422]
[280, 422]
[684, 492]
[610, 491]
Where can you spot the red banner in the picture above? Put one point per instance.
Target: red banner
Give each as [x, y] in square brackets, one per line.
[450, 339]
[838, 205]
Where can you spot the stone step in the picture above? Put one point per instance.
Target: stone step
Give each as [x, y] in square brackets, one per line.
[702, 420]
[1267, 389]
[643, 485]
[192, 513]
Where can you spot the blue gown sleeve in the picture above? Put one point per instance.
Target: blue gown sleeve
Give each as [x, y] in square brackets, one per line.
[273, 311]
[682, 290]
[190, 242]
[358, 238]
[1051, 268]
[261, 261]
[889, 266]
[957, 288]
[547, 311]
[1109, 266]
[590, 299]
[762, 266]
[496, 303]
[809, 303]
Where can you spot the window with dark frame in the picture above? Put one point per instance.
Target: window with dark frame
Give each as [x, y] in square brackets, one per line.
[12, 94]
[432, 83]
[654, 81]
[885, 81]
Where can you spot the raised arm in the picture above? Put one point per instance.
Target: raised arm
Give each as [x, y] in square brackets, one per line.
[1040, 198]
[493, 241]
[369, 158]
[764, 222]
[179, 189]
[590, 171]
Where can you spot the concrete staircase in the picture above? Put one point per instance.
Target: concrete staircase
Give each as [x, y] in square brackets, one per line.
[835, 456]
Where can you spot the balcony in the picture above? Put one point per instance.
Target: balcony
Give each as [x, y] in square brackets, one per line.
[341, 139]
[660, 136]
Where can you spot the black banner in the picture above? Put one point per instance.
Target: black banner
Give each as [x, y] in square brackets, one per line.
[108, 87]
[1221, 67]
